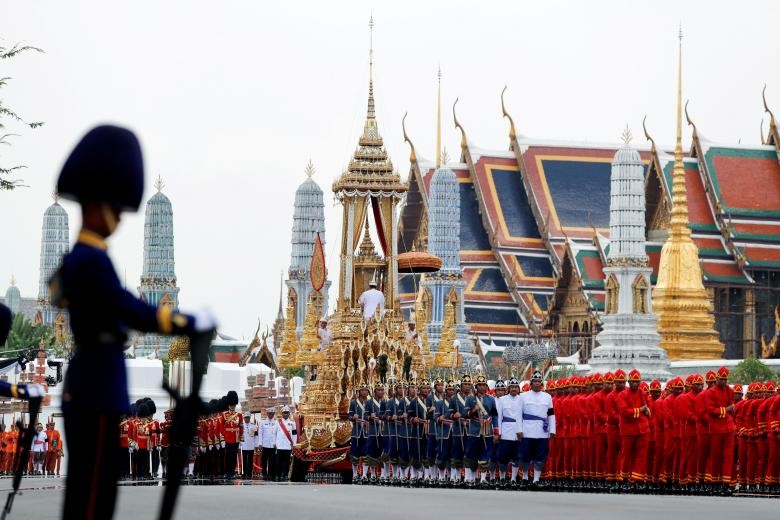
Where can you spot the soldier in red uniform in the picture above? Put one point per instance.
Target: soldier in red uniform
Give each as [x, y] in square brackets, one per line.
[689, 431]
[598, 438]
[719, 400]
[154, 438]
[773, 457]
[634, 430]
[656, 433]
[165, 440]
[762, 437]
[614, 468]
[233, 428]
[142, 441]
[703, 439]
[672, 432]
[202, 459]
[740, 409]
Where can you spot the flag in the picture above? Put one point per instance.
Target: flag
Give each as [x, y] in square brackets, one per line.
[317, 269]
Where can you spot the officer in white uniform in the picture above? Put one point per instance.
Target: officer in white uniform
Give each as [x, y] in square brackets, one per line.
[285, 436]
[267, 444]
[249, 442]
[370, 300]
[509, 416]
[537, 425]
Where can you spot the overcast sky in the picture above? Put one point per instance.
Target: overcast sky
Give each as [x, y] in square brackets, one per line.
[232, 99]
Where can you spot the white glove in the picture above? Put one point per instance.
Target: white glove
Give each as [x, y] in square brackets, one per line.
[202, 449]
[33, 390]
[204, 320]
[223, 444]
[131, 449]
[211, 447]
[159, 448]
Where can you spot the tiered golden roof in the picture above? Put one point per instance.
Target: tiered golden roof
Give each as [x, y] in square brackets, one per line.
[370, 168]
[685, 320]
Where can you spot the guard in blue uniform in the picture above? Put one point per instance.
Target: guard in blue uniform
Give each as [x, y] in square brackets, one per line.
[373, 449]
[359, 414]
[460, 417]
[444, 421]
[416, 418]
[20, 391]
[500, 390]
[482, 432]
[431, 396]
[105, 175]
[391, 429]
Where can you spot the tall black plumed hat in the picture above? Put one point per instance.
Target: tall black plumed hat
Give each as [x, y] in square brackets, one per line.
[105, 166]
[232, 398]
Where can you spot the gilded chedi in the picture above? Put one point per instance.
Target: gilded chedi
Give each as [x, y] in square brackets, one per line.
[685, 320]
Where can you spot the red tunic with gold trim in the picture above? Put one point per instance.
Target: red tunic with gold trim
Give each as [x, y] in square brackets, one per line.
[232, 427]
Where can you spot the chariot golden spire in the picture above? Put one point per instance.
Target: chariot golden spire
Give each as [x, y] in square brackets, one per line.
[685, 320]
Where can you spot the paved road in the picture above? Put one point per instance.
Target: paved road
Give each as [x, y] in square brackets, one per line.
[42, 500]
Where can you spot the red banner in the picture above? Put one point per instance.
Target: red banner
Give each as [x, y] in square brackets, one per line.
[317, 269]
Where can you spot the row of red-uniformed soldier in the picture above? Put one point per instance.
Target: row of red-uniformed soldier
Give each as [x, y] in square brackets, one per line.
[215, 451]
[53, 450]
[685, 438]
[143, 441]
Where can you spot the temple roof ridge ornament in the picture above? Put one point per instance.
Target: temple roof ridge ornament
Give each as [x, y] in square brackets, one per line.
[774, 136]
[464, 143]
[512, 131]
[159, 184]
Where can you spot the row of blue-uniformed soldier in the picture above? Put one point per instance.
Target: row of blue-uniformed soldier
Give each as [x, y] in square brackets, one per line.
[424, 433]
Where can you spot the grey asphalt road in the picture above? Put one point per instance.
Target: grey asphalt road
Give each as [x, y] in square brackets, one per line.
[42, 499]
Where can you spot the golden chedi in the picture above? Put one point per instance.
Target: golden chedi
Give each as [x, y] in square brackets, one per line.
[685, 320]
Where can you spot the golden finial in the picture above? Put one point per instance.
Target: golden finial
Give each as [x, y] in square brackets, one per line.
[445, 158]
[159, 184]
[626, 136]
[13, 280]
[309, 169]
[412, 154]
[679, 220]
[463, 140]
[512, 132]
[371, 110]
[438, 122]
[371, 48]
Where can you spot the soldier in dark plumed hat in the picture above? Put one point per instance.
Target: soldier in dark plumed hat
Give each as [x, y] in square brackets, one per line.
[105, 175]
[232, 428]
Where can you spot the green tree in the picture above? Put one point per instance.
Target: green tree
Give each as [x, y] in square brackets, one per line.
[750, 370]
[26, 335]
[8, 114]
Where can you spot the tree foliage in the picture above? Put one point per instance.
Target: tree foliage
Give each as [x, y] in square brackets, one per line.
[8, 115]
[26, 335]
[750, 370]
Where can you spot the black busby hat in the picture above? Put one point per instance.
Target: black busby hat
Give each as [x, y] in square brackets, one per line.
[5, 323]
[143, 410]
[213, 406]
[105, 166]
[232, 398]
[152, 406]
[134, 410]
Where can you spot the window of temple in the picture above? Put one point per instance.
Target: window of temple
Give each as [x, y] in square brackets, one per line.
[611, 301]
[640, 287]
[452, 298]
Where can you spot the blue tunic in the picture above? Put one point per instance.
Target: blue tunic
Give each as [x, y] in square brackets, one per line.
[101, 311]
